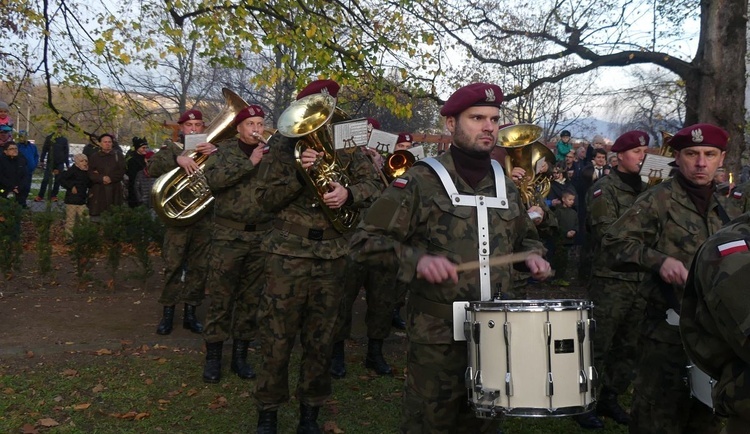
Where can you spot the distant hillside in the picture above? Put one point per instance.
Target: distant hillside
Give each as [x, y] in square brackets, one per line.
[587, 128]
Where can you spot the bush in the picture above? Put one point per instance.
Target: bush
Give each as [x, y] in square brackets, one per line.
[43, 224]
[85, 244]
[10, 236]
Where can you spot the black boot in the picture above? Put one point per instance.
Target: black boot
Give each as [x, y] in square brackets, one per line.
[608, 406]
[165, 325]
[212, 370]
[338, 365]
[239, 360]
[267, 422]
[375, 360]
[308, 420]
[396, 321]
[189, 321]
[589, 421]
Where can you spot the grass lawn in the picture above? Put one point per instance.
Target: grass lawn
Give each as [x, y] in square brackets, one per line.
[160, 390]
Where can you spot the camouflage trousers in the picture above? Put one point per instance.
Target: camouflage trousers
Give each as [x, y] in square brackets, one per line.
[380, 288]
[435, 396]
[618, 310]
[662, 403]
[185, 248]
[302, 296]
[235, 281]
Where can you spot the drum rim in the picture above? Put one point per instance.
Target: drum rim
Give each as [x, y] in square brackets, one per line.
[481, 410]
[542, 305]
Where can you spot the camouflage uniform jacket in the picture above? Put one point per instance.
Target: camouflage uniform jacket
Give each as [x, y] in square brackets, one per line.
[606, 201]
[663, 222]
[740, 194]
[232, 178]
[420, 219]
[715, 317]
[164, 160]
[282, 191]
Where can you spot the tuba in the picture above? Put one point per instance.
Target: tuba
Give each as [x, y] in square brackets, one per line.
[180, 199]
[397, 164]
[310, 119]
[521, 142]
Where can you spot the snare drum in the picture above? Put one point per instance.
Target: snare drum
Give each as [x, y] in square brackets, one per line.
[531, 358]
[701, 385]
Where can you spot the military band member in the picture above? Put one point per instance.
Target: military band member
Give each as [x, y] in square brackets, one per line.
[714, 320]
[416, 220]
[235, 260]
[185, 248]
[615, 294]
[659, 235]
[404, 142]
[304, 269]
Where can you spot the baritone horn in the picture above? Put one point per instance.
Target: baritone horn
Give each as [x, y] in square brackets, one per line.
[521, 143]
[397, 164]
[180, 199]
[309, 119]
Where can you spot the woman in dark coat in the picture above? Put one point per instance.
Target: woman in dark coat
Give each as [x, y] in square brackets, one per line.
[106, 171]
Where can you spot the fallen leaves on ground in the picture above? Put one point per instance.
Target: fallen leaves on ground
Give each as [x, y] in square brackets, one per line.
[219, 402]
[331, 427]
[70, 373]
[131, 415]
[48, 422]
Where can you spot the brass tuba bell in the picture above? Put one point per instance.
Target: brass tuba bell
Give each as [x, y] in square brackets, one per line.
[397, 164]
[310, 119]
[521, 143]
[180, 199]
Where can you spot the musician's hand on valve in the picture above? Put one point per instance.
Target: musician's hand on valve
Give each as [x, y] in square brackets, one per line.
[309, 157]
[538, 267]
[673, 271]
[436, 269]
[517, 174]
[206, 148]
[337, 197]
[188, 164]
[257, 155]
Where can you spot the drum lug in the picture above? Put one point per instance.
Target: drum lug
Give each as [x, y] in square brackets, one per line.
[467, 330]
[550, 385]
[508, 384]
[468, 376]
[583, 385]
[475, 334]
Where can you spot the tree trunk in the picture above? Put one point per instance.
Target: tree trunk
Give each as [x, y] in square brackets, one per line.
[716, 91]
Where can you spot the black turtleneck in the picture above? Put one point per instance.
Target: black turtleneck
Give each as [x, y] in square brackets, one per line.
[247, 149]
[472, 167]
[633, 180]
[699, 194]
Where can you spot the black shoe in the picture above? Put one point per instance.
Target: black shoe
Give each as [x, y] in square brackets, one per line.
[165, 325]
[308, 420]
[338, 364]
[239, 360]
[189, 321]
[609, 407]
[589, 421]
[212, 369]
[267, 422]
[375, 360]
[396, 321]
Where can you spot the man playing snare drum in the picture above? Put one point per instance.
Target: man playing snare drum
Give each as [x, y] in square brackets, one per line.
[430, 232]
[714, 319]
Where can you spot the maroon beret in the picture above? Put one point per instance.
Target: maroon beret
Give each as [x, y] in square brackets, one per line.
[190, 115]
[476, 94]
[405, 137]
[148, 154]
[253, 110]
[700, 135]
[373, 124]
[320, 86]
[630, 140]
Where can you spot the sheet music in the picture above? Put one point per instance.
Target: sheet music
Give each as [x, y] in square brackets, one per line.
[418, 152]
[193, 140]
[382, 141]
[656, 166]
[350, 134]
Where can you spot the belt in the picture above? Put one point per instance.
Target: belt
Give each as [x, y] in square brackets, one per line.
[305, 232]
[239, 226]
[433, 308]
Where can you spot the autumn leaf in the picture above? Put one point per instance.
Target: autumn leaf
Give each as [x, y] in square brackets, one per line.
[98, 388]
[70, 372]
[219, 402]
[29, 354]
[140, 416]
[29, 429]
[148, 381]
[103, 351]
[48, 422]
[9, 391]
[79, 407]
[192, 392]
[331, 427]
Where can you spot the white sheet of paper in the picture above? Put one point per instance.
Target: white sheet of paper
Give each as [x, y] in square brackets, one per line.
[350, 134]
[656, 166]
[193, 140]
[418, 152]
[382, 141]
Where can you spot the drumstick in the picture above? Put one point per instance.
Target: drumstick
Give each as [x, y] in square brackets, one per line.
[511, 258]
